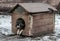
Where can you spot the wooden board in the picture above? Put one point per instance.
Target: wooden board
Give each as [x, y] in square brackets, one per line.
[42, 23]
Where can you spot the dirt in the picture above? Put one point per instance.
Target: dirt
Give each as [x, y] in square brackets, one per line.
[51, 37]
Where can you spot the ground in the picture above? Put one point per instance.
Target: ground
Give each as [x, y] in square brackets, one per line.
[50, 37]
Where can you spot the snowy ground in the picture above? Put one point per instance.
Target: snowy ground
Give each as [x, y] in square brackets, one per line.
[51, 37]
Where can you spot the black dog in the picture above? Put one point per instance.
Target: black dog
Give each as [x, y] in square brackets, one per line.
[20, 24]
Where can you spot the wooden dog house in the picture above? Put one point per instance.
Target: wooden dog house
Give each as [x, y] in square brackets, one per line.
[38, 17]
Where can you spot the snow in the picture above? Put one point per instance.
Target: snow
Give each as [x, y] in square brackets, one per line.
[5, 24]
[57, 23]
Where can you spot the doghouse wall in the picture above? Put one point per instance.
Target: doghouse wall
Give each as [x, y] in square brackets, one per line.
[42, 23]
[17, 15]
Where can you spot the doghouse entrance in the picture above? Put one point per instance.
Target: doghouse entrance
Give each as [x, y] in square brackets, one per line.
[5, 24]
[20, 22]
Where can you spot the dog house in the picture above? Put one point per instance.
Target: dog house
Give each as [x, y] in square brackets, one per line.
[38, 17]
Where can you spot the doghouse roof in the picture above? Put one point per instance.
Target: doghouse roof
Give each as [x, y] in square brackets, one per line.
[29, 7]
[37, 7]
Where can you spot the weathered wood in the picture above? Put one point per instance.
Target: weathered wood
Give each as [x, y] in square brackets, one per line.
[42, 23]
[35, 24]
[31, 24]
[17, 15]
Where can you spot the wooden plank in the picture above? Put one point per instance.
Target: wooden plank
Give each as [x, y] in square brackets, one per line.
[44, 23]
